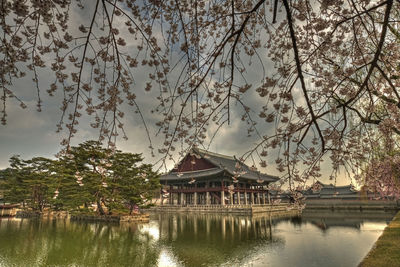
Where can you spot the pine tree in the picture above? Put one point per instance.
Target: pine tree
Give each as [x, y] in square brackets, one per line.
[112, 181]
[29, 182]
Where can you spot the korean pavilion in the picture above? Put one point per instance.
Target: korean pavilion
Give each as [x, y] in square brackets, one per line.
[206, 178]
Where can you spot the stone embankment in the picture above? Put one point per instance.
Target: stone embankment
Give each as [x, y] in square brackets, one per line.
[44, 214]
[82, 217]
[27, 214]
[111, 218]
[55, 214]
[8, 210]
[342, 204]
[236, 209]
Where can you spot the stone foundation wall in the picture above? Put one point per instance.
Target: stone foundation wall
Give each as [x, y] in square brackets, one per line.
[55, 214]
[8, 212]
[238, 209]
[340, 204]
[111, 218]
[82, 217]
[135, 218]
[27, 214]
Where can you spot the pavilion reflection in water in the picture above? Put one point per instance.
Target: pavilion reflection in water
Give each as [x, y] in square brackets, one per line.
[231, 228]
[222, 226]
[211, 239]
[324, 219]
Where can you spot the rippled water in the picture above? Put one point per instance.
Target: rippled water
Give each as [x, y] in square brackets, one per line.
[314, 239]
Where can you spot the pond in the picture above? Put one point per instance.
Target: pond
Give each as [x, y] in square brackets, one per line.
[313, 239]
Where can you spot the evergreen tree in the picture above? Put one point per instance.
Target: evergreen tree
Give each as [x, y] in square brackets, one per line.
[29, 182]
[88, 175]
[83, 175]
[135, 184]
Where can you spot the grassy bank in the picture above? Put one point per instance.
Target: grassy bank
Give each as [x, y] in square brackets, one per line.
[386, 251]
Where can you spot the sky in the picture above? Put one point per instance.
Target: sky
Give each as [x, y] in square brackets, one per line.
[30, 133]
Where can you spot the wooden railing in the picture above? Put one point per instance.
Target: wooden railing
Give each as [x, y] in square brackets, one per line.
[214, 189]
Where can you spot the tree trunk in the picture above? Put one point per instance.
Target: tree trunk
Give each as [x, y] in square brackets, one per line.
[130, 209]
[105, 205]
[100, 208]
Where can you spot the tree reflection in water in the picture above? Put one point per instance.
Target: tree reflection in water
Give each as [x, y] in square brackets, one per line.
[65, 243]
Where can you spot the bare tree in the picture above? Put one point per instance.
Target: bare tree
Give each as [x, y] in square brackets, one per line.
[329, 68]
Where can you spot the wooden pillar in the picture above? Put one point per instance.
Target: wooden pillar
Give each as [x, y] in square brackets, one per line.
[170, 195]
[245, 197]
[161, 197]
[258, 198]
[195, 194]
[222, 194]
[182, 198]
[207, 195]
[269, 197]
[238, 197]
[252, 198]
[263, 193]
[230, 196]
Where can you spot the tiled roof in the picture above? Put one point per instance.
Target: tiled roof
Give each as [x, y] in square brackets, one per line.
[189, 175]
[339, 190]
[222, 163]
[331, 190]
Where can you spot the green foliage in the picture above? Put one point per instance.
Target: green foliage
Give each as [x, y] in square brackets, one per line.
[134, 184]
[29, 182]
[88, 177]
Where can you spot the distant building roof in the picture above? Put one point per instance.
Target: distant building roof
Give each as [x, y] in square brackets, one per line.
[338, 190]
[330, 190]
[218, 164]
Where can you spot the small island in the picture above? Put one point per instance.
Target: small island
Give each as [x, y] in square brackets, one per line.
[88, 182]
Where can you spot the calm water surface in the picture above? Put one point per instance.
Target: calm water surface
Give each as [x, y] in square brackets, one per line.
[314, 239]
